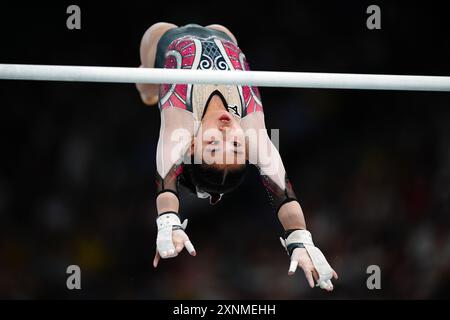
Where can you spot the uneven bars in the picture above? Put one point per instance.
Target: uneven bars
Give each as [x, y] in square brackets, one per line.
[253, 78]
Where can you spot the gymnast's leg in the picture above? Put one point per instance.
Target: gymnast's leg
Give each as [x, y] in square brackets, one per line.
[149, 42]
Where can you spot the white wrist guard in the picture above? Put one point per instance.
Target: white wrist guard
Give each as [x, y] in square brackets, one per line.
[167, 222]
[303, 238]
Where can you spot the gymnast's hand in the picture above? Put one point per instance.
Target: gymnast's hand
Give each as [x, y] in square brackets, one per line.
[303, 253]
[171, 237]
[300, 257]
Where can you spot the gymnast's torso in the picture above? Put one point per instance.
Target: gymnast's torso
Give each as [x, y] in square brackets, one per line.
[195, 47]
[182, 106]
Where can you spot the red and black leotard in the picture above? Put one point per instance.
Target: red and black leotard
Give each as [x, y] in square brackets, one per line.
[182, 106]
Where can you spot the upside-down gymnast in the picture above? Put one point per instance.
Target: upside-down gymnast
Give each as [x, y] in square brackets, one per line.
[208, 136]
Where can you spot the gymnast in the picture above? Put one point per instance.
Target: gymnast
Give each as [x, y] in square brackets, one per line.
[209, 135]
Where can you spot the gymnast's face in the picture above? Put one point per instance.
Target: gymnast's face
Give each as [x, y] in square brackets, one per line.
[220, 140]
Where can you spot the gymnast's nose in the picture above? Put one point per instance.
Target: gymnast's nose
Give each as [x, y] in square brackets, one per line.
[224, 127]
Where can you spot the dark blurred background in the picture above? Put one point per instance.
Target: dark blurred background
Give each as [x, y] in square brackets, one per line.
[371, 168]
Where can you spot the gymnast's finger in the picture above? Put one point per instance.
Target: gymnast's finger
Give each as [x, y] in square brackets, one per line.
[156, 259]
[190, 248]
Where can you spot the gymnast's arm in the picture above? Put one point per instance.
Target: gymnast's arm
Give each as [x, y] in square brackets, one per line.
[177, 127]
[297, 240]
[265, 156]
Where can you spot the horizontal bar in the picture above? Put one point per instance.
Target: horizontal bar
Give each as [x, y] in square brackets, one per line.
[253, 78]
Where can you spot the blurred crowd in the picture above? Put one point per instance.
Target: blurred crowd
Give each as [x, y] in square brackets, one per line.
[371, 169]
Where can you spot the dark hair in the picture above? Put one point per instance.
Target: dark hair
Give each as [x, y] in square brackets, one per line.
[216, 179]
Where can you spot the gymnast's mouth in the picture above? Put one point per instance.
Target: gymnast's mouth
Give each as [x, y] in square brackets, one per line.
[225, 117]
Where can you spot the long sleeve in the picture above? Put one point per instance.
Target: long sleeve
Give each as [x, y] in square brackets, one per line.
[265, 156]
[175, 138]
